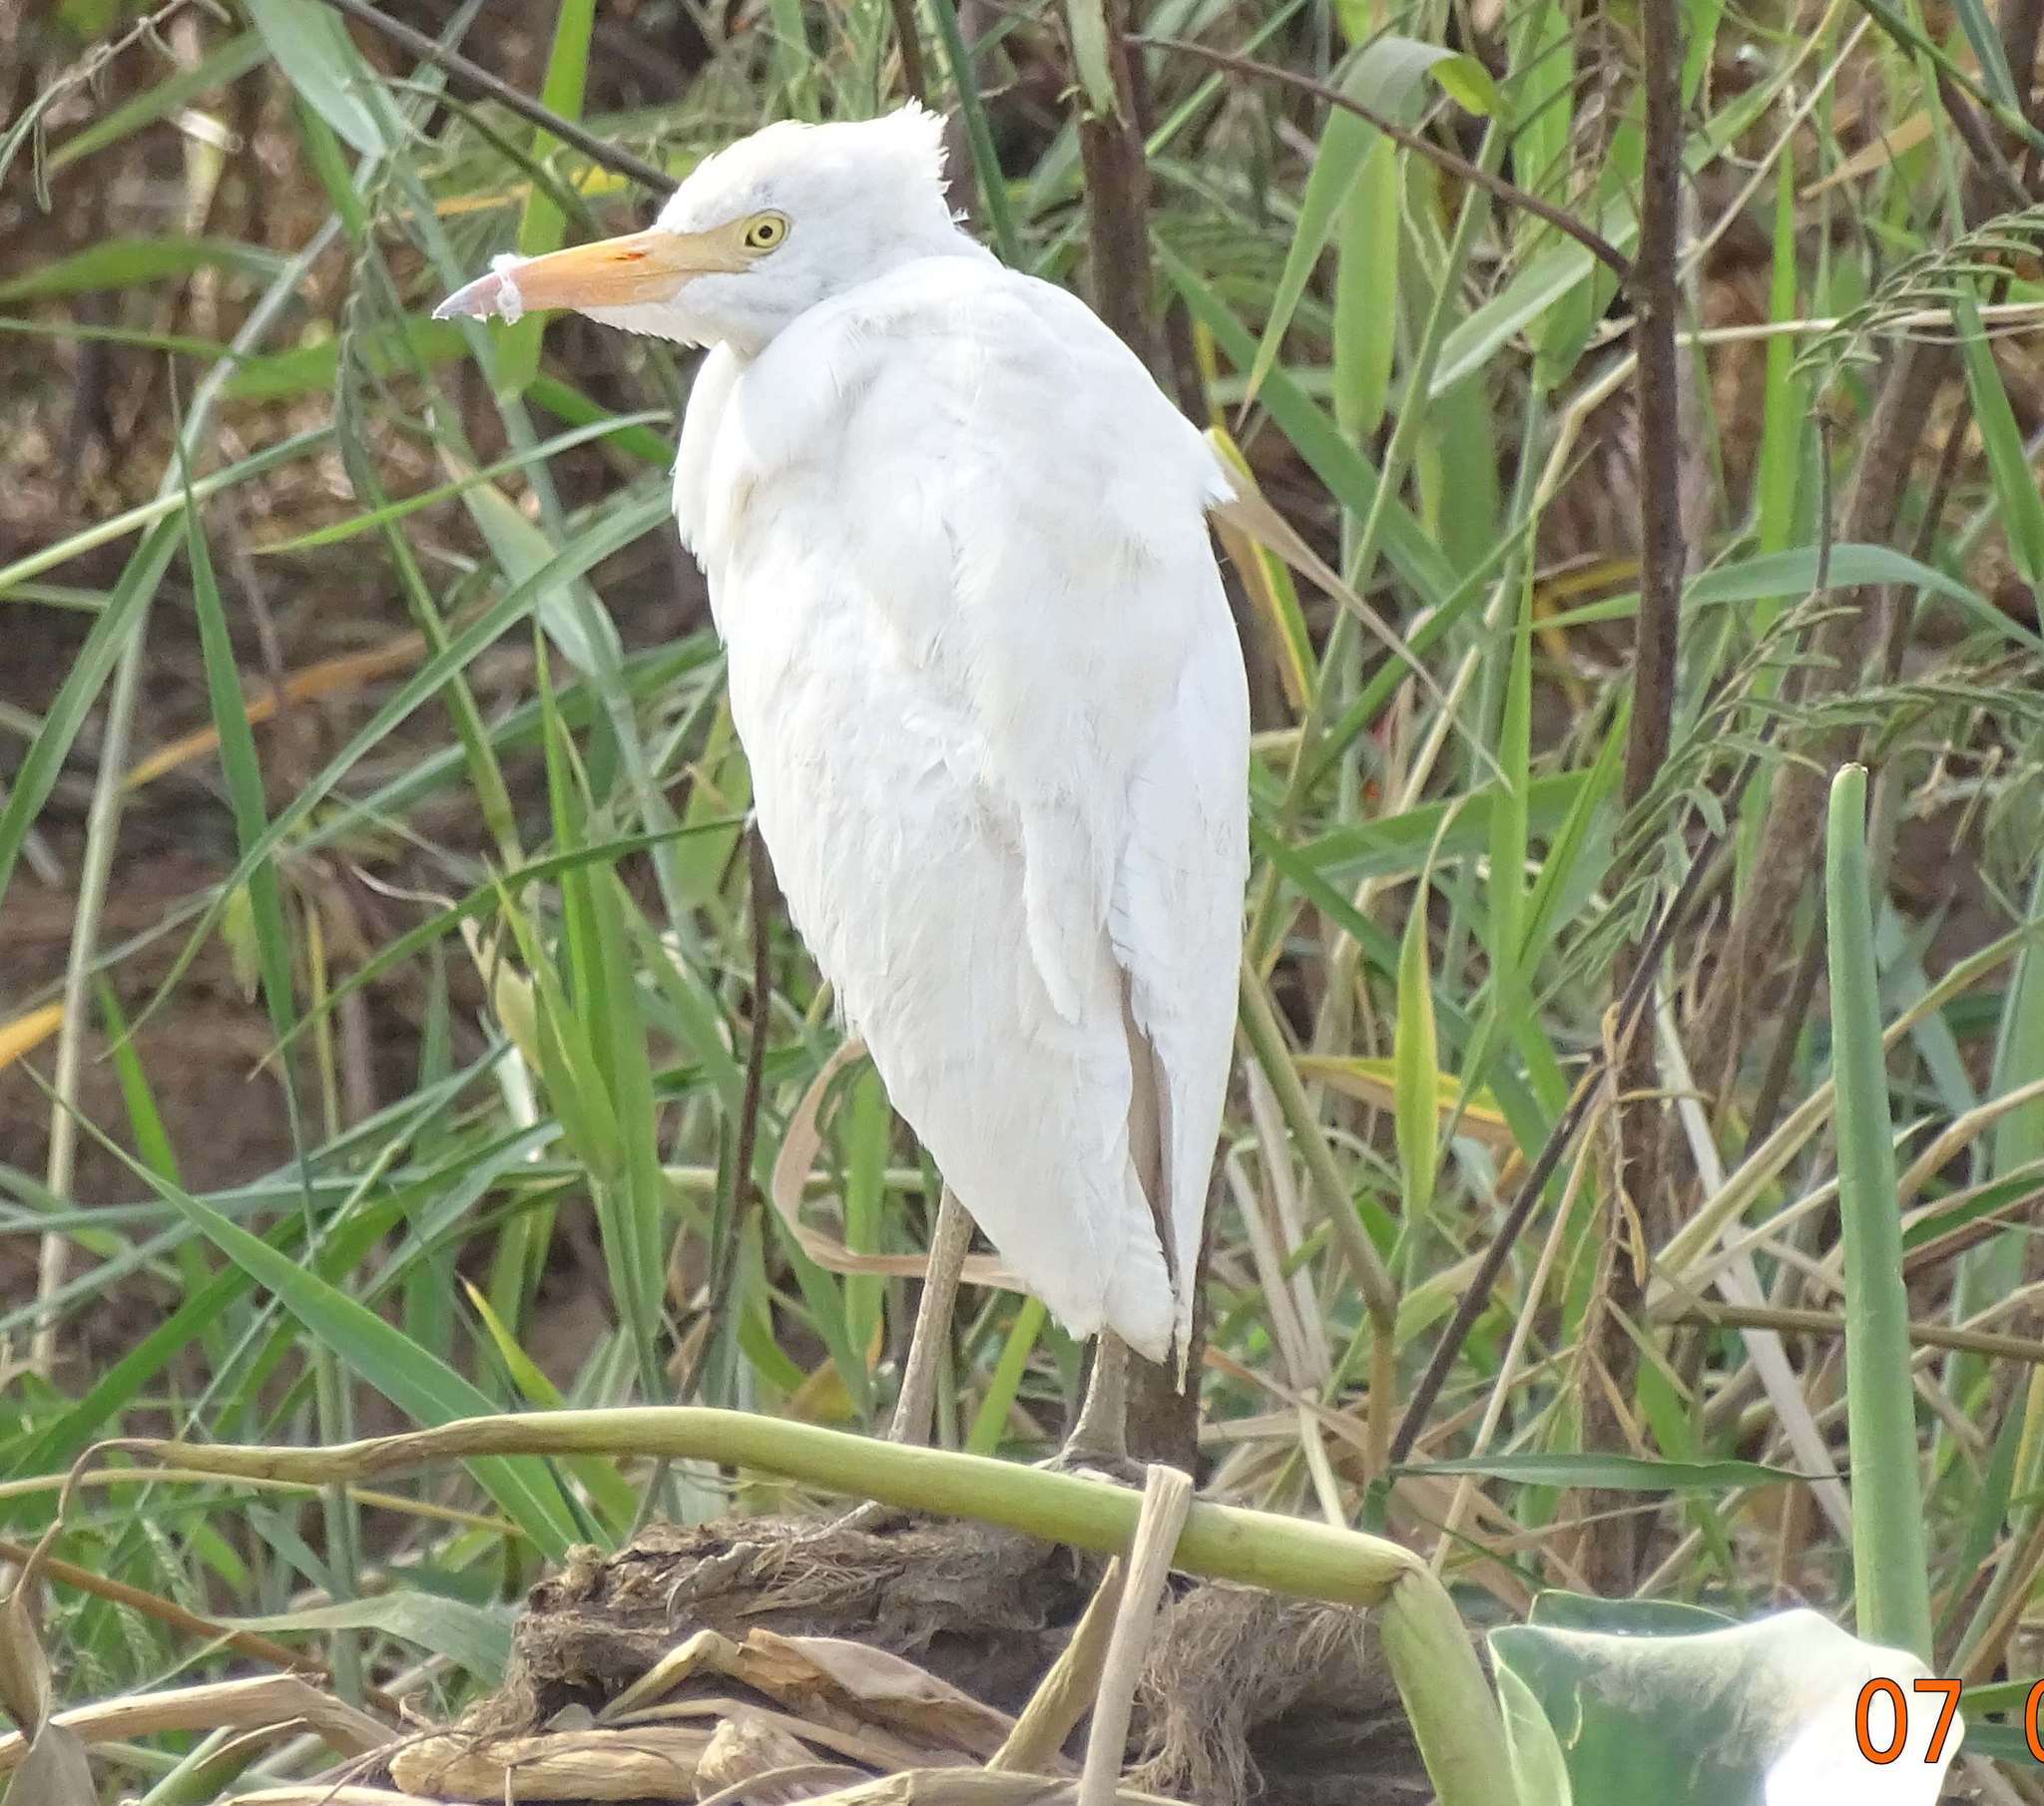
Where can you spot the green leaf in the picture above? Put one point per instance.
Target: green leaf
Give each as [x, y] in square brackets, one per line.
[1984, 34]
[1087, 22]
[1366, 292]
[1347, 474]
[320, 61]
[1785, 414]
[540, 225]
[309, 369]
[1525, 298]
[1540, 1771]
[131, 262]
[427, 1389]
[2015, 484]
[1415, 1060]
[474, 1637]
[1508, 836]
[38, 773]
[1731, 1716]
[990, 1421]
[1395, 846]
[1560, 1611]
[1389, 78]
[268, 938]
[1767, 577]
[1543, 64]
[568, 607]
[1615, 1473]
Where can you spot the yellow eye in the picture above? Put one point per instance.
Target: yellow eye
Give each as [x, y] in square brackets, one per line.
[765, 231]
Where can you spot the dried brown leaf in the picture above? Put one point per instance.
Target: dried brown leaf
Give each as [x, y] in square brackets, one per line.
[748, 1749]
[261, 1703]
[24, 1668]
[799, 1150]
[56, 1772]
[825, 1726]
[873, 1683]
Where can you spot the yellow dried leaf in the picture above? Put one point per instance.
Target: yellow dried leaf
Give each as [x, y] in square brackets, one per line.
[27, 1033]
[1370, 1080]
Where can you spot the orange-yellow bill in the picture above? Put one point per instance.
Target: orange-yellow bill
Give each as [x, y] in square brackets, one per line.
[610, 273]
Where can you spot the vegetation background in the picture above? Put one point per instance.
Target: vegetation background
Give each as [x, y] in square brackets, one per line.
[394, 1025]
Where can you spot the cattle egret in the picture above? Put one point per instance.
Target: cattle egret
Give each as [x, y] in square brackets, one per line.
[982, 666]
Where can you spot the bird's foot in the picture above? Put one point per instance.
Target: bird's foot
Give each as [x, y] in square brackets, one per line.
[868, 1520]
[1116, 1466]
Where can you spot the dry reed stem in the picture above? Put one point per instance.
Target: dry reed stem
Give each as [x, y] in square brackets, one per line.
[1065, 1694]
[1166, 1495]
[269, 1702]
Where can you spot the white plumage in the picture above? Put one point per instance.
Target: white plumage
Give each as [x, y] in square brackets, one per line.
[986, 673]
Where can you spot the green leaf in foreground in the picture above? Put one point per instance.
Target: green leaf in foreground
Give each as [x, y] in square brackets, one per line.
[1758, 1715]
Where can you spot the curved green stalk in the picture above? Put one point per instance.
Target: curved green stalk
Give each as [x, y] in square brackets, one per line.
[1452, 1712]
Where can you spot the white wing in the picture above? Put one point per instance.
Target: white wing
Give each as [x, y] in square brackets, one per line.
[984, 671]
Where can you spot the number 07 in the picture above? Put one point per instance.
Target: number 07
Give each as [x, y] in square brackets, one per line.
[1881, 1756]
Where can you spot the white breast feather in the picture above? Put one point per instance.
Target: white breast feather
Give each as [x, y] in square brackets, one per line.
[986, 673]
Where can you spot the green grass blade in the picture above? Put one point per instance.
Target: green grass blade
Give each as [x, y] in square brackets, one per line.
[115, 263]
[65, 714]
[1416, 1062]
[424, 1388]
[615, 528]
[541, 227]
[1890, 1567]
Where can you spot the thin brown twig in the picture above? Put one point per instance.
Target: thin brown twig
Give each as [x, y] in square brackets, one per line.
[1798, 1321]
[909, 42]
[1509, 192]
[764, 891]
[473, 75]
[1638, 1184]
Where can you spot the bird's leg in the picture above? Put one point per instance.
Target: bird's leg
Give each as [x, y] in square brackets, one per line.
[1100, 1439]
[950, 1237]
[915, 1404]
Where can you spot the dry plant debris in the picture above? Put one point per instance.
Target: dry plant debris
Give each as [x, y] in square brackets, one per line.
[934, 1663]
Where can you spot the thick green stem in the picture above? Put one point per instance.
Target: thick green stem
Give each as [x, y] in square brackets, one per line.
[1436, 1669]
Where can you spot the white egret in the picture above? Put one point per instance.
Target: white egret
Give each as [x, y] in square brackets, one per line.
[987, 677]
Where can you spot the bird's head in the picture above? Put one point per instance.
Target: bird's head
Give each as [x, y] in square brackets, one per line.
[757, 235]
